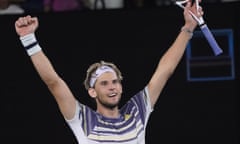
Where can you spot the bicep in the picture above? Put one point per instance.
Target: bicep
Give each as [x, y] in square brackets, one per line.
[156, 85]
[64, 98]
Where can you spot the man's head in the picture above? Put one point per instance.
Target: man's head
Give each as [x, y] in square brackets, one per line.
[98, 68]
[103, 83]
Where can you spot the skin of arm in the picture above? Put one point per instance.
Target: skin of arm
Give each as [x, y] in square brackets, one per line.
[173, 55]
[61, 92]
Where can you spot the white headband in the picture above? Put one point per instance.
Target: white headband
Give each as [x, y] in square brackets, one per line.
[99, 72]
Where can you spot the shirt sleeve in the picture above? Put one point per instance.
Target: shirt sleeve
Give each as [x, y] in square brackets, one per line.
[141, 105]
[76, 125]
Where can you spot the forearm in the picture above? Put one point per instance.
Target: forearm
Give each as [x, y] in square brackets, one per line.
[172, 57]
[39, 59]
[44, 68]
[167, 65]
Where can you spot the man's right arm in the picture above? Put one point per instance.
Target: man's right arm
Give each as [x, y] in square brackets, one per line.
[25, 28]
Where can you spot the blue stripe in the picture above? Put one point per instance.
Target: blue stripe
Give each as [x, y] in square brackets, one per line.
[31, 45]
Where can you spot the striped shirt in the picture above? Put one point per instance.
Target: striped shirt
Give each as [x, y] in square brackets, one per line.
[90, 127]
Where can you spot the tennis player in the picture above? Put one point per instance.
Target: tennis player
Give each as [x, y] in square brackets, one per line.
[109, 123]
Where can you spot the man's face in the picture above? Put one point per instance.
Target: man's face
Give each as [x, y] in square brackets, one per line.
[109, 89]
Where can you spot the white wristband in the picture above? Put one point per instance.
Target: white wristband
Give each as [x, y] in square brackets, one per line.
[30, 44]
[33, 50]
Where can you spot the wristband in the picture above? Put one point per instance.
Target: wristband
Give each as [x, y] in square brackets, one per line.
[30, 44]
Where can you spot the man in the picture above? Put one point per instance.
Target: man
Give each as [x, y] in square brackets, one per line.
[109, 124]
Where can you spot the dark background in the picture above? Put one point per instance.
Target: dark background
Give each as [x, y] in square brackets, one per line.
[134, 39]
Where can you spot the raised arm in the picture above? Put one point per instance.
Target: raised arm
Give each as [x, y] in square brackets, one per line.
[25, 28]
[172, 57]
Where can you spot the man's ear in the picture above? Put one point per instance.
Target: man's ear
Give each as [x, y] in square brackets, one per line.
[92, 92]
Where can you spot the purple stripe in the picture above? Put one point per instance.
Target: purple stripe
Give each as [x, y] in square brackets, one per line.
[135, 108]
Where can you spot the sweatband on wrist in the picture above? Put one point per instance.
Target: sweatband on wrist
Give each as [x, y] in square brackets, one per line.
[30, 44]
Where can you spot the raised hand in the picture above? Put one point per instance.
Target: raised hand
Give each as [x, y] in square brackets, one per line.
[26, 25]
[190, 10]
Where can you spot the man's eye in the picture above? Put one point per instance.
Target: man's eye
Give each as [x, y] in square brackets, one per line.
[104, 83]
[115, 81]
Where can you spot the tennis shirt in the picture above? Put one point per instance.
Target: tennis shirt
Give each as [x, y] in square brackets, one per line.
[90, 127]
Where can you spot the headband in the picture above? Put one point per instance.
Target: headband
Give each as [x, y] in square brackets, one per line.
[98, 73]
